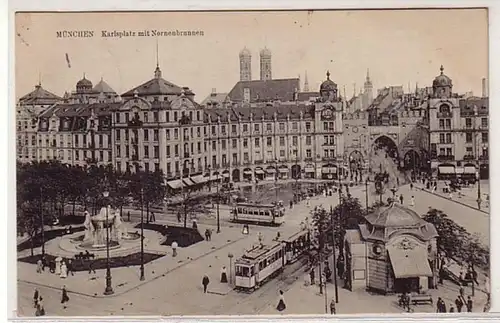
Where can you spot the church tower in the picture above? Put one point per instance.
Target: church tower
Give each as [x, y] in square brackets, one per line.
[265, 65]
[368, 90]
[245, 65]
[306, 83]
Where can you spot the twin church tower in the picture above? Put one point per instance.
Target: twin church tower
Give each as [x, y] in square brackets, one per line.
[246, 65]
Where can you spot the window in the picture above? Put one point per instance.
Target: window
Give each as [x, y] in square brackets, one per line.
[308, 127]
[448, 138]
[325, 140]
[157, 167]
[245, 128]
[308, 140]
[448, 123]
[155, 135]
[469, 151]
[332, 140]
[294, 141]
[269, 127]
[126, 117]
[325, 126]
[245, 156]
[118, 133]
[468, 122]
[234, 143]
[233, 128]
[308, 153]
[117, 117]
[282, 153]
[257, 142]
[205, 131]
[146, 151]
[214, 145]
[205, 146]
[223, 144]
[294, 126]
[468, 137]
[101, 155]
[448, 151]
[256, 127]
[282, 126]
[146, 117]
[484, 137]
[156, 152]
[176, 150]
[282, 141]
[442, 151]
[167, 134]
[245, 143]
[325, 153]
[444, 109]
[223, 129]
[199, 147]
[118, 151]
[197, 115]
[235, 158]
[155, 116]
[176, 133]
[214, 130]
[176, 116]
[168, 151]
[441, 138]
[269, 141]
[484, 122]
[441, 123]
[167, 116]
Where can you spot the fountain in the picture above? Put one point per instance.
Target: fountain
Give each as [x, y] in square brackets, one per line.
[95, 230]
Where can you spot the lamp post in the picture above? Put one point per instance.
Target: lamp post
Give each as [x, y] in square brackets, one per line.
[230, 256]
[142, 235]
[218, 198]
[334, 257]
[42, 221]
[109, 289]
[366, 192]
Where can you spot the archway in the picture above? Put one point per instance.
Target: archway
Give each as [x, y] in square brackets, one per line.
[225, 175]
[236, 175]
[247, 174]
[412, 160]
[259, 173]
[356, 164]
[384, 144]
[296, 171]
[385, 161]
[270, 173]
[283, 172]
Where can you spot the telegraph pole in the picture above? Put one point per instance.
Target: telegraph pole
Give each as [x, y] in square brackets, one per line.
[334, 257]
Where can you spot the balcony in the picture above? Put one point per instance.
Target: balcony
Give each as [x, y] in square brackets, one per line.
[308, 159]
[247, 163]
[469, 157]
[329, 159]
[484, 157]
[234, 133]
[446, 157]
[135, 157]
[259, 162]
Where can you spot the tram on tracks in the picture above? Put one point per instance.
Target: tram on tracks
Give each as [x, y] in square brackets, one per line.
[262, 263]
[266, 214]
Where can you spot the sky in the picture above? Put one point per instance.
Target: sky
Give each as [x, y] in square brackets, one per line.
[399, 47]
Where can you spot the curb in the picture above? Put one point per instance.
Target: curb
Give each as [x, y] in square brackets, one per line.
[141, 284]
[461, 203]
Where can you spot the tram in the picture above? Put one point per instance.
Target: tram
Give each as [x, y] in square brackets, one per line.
[268, 214]
[262, 263]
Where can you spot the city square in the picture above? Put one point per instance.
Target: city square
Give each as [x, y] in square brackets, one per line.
[276, 196]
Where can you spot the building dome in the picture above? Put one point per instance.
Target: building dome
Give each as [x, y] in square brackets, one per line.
[265, 52]
[395, 215]
[442, 80]
[328, 85]
[84, 83]
[245, 52]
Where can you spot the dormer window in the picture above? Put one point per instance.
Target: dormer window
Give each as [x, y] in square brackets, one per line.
[444, 108]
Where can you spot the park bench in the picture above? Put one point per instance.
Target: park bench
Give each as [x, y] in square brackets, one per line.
[420, 299]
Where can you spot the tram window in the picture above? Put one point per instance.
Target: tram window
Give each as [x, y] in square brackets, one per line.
[251, 271]
[242, 271]
[266, 213]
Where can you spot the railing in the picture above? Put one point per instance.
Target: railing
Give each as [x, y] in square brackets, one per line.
[445, 157]
[469, 157]
[308, 159]
[259, 162]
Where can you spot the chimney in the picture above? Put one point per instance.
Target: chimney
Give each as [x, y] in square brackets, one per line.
[485, 88]
[214, 92]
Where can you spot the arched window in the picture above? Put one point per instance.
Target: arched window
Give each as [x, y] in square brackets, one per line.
[444, 108]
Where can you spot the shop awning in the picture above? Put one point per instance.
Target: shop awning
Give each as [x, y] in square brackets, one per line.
[459, 170]
[199, 179]
[329, 170]
[446, 169]
[271, 170]
[409, 262]
[247, 172]
[309, 170]
[283, 170]
[188, 182]
[175, 184]
[470, 170]
[259, 171]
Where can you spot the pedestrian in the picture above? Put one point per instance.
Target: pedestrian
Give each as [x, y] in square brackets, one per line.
[223, 275]
[340, 266]
[152, 217]
[64, 270]
[65, 297]
[174, 248]
[260, 238]
[195, 224]
[412, 202]
[207, 235]
[179, 218]
[70, 268]
[281, 303]
[440, 306]
[469, 304]
[44, 262]
[411, 186]
[401, 198]
[91, 266]
[35, 297]
[459, 304]
[128, 216]
[205, 282]
[451, 195]
[308, 201]
[311, 275]
[332, 307]
[40, 309]
[452, 309]
[291, 204]
[461, 290]
[39, 266]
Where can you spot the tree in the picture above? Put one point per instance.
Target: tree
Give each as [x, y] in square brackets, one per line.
[191, 204]
[147, 189]
[455, 242]
[346, 215]
[321, 222]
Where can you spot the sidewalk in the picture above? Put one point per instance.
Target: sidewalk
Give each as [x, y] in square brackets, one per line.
[127, 278]
[468, 198]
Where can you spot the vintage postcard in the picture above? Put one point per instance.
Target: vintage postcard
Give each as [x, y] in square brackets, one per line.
[252, 162]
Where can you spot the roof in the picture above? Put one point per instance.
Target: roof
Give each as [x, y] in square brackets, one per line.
[441, 79]
[467, 105]
[155, 86]
[306, 96]
[278, 89]
[103, 87]
[394, 215]
[282, 111]
[79, 110]
[39, 96]
[215, 97]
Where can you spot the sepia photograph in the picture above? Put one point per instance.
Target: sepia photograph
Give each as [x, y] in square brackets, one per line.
[301, 162]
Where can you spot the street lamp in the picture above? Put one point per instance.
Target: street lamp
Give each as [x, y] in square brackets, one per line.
[230, 256]
[42, 221]
[109, 289]
[366, 193]
[142, 235]
[218, 197]
[334, 255]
